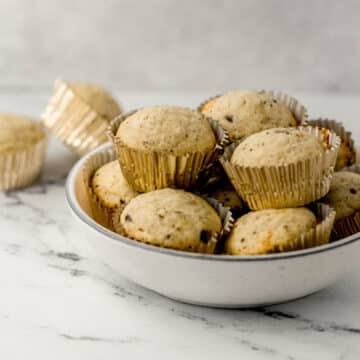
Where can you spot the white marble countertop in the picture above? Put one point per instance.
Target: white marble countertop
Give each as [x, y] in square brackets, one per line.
[57, 302]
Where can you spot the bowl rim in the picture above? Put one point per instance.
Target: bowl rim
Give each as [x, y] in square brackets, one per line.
[85, 218]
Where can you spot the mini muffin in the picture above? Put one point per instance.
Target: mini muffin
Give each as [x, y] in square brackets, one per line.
[22, 151]
[279, 146]
[79, 114]
[173, 219]
[344, 197]
[347, 152]
[229, 198]
[107, 189]
[279, 230]
[242, 113]
[165, 146]
[282, 167]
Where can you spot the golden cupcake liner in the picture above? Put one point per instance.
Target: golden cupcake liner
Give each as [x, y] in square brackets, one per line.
[100, 213]
[351, 224]
[297, 109]
[73, 121]
[291, 185]
[215, 240]
[149, 170]
[319, 235]
[21, 168]
[345, 136]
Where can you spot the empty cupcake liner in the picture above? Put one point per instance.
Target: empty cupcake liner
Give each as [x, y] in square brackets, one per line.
[351, 224]
[291, 185]
[73, 121]
[100, 213]
[148, 171]
[346, 140]
[21, 168]
[211, 246]
[297, 109]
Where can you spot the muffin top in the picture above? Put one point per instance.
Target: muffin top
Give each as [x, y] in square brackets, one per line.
[170, 218]
[110, 186]
[268, 231]
[243, 113]
[18, 132]
[167, 129]
[97, 98]
[278, 146]
[344, 194]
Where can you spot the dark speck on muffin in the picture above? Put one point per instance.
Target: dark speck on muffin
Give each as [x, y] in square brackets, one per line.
[229, 118]
[353, 191]
[128, 218]
[205, 236]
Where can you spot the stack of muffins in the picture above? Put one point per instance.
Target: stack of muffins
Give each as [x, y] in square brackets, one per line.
[78, 114]
[177, 178]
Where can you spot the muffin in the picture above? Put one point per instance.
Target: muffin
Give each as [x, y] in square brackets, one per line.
[22, 151]
[229, 198]
[282, 167]
[347, 152]
[344, 198]
[279, 230]
[107, 189]
[79, 114]
[165, 146]
[173, 219]
[245, 112]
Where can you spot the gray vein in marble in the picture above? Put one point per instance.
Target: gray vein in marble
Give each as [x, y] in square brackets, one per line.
[64, 255]
[266, 350]
[126, 340]
[72, 271]
[309, 324]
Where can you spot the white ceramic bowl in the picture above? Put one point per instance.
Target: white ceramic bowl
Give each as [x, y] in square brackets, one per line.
[212, 280]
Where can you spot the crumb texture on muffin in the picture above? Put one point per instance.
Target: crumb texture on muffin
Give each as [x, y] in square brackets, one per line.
[277, 146]
[97, 98]
[268, 231]
[344, 194]
[170, 129]
[228, 198]
[18, 132]
[110, 186]
[170, 218]
[246, 112]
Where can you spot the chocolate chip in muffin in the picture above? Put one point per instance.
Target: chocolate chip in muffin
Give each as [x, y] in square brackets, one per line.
[229, 118]
[353, 191]
[205, 236]
[128, 218]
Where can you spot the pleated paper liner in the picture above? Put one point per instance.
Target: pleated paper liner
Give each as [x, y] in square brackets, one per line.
[347, 150]
[291, 185]
[73, 121]
[351, 224]
[297, 109]
[149, 170]
[319, 235]
[211, 246]
[100, 213]
[20, 168]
